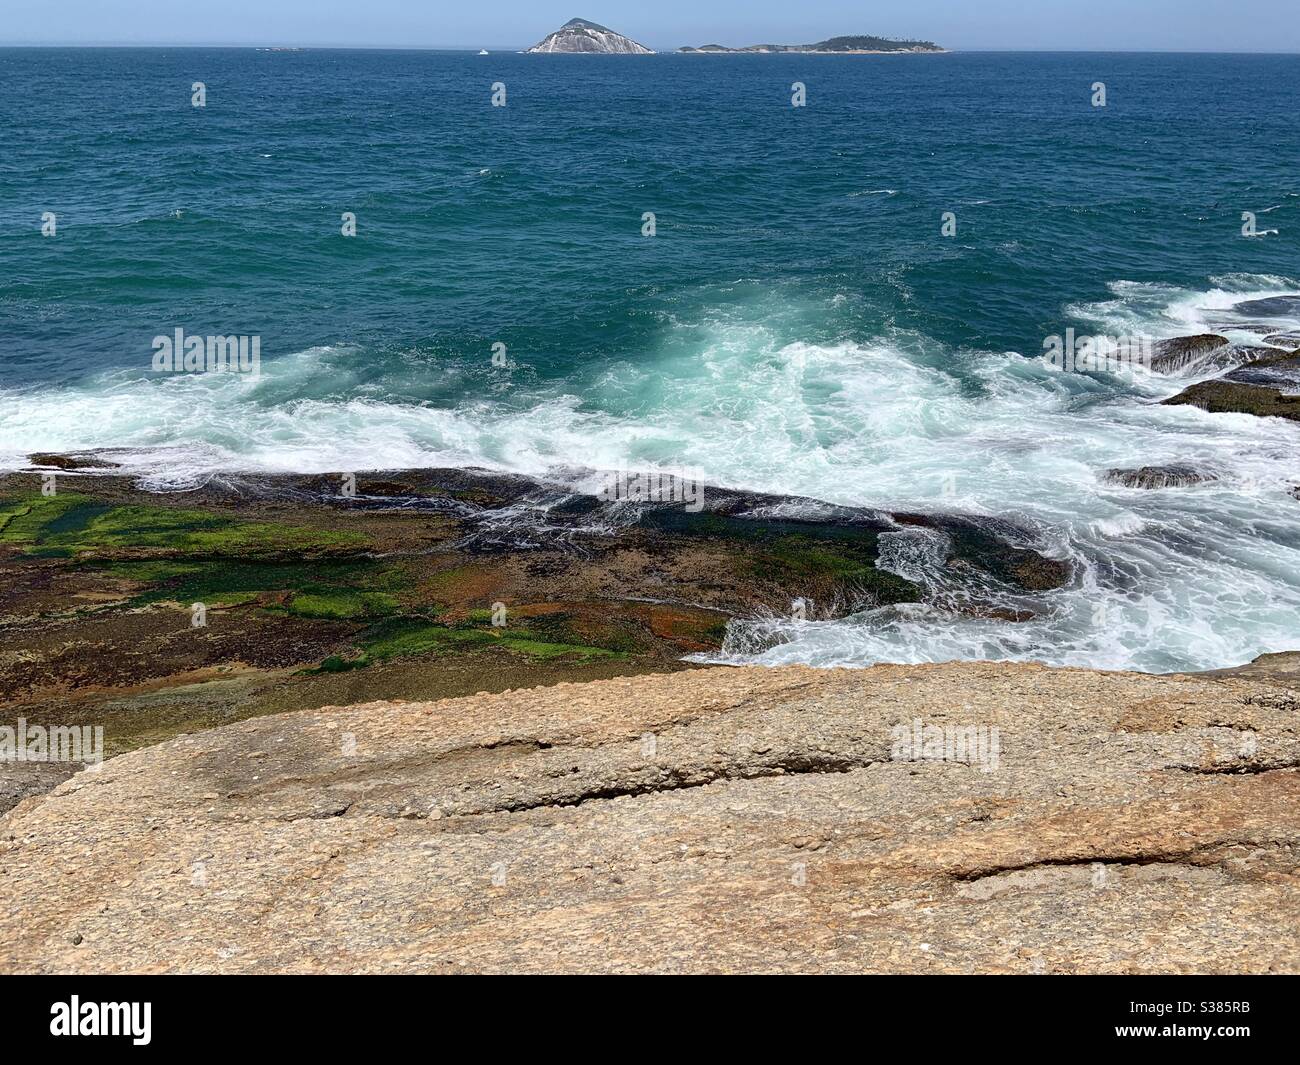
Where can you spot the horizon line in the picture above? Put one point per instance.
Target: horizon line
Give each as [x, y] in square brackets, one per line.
[662, 51]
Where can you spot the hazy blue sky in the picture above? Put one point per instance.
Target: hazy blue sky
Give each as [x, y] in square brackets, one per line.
[1192, 25]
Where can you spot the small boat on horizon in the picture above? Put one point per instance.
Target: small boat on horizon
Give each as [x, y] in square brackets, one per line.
[482, 51]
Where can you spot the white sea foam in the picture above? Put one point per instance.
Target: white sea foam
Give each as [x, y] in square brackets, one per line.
[1197, 577]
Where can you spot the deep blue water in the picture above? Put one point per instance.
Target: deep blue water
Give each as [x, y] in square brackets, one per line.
[522, 223]
[798, 323]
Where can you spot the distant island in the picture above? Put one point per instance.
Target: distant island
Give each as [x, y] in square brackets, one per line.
[579, 36]
[860, 45]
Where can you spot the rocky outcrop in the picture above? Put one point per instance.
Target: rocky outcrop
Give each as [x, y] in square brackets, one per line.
[1172, 476]
[1179, 353]
[50, 460]
[1205, 353]
[1279, 371]
[1235, 357]
[969, 817]
[1264, 381]
[1287, 306]
[1224, 397]
[579, 35]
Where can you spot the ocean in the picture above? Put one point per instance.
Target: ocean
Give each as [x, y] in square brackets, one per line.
[797, 324]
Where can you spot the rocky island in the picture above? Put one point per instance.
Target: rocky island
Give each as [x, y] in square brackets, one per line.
[582, 37]
[851, 45]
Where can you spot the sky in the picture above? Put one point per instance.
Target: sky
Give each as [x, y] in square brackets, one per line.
[1053, 25]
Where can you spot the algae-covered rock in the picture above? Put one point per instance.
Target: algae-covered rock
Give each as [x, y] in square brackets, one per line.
[157, 613]
[1228, 397]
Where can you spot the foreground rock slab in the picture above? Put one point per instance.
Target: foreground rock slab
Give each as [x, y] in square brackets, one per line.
[712, 820]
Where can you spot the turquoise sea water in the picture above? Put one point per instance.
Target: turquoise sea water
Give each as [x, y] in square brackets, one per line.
[798, 324]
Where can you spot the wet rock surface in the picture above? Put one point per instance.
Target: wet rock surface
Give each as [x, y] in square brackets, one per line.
[1285, 341]
[1282, 373]
[1179, 353]
[1263, 380]
[1229, 397]
[1172, 476]
[1208, 353]
[151, 614]
[1272, 307]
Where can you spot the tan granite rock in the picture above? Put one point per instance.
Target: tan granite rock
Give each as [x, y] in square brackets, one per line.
[712, 820]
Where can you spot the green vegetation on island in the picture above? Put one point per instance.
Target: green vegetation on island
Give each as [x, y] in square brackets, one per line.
[859, 43]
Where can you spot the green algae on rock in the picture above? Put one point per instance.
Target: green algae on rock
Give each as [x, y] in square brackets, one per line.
[311, 598]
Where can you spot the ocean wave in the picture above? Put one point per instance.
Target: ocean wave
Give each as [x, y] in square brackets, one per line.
[1157, 310]
[1165, 580]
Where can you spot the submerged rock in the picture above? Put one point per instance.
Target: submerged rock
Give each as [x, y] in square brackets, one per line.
[1258, 328]
[1277, 372]
[1268, 386]
[993, 547]
[1173, 476]
[1270, 307]
[79, 461]
[1286, 341]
